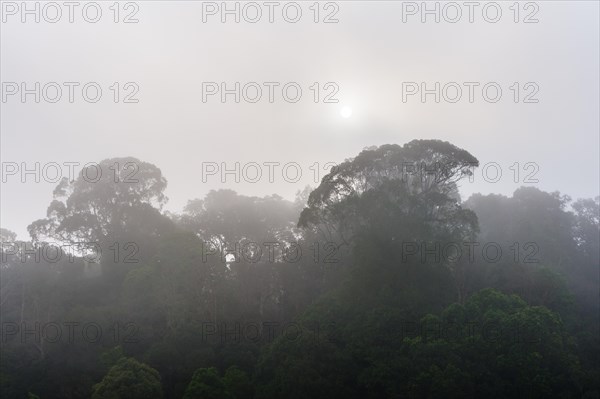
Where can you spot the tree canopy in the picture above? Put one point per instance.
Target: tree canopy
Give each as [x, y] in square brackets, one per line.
[374, 284]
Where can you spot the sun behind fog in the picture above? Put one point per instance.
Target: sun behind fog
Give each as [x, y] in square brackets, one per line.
[346, 112]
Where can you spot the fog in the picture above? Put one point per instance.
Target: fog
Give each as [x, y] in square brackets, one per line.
[197, 179]
[368, 54]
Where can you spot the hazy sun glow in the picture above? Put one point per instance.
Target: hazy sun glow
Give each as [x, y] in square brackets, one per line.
[346, 112]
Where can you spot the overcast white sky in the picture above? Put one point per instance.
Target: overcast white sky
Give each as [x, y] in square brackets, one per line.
[368, 54]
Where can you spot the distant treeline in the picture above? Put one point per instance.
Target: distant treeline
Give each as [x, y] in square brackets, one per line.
[375, 284]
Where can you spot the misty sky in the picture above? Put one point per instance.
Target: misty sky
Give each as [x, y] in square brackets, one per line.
[368, 54]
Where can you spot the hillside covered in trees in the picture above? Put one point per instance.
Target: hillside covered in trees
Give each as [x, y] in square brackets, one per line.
[381, 282]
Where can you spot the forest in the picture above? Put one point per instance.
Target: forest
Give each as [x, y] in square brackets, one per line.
[380, 282]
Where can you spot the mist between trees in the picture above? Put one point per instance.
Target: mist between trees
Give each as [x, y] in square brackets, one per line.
[375, 283]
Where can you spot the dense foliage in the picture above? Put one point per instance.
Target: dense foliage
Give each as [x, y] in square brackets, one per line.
[380, 283]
